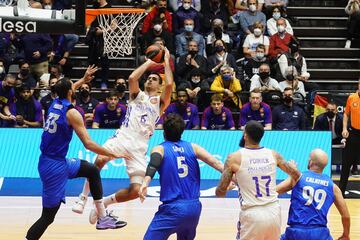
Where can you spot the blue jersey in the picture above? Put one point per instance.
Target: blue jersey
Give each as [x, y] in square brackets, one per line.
[311, 198]
[179, 172]
[57, 132]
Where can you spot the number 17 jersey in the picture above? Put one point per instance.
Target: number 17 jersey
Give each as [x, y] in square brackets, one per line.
[311, 198]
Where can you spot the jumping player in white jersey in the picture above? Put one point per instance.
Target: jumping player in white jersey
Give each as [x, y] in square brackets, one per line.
[255, 172]
[144, 110]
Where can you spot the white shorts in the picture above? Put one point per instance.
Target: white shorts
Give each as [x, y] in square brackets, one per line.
[260, 223]
[135, 146]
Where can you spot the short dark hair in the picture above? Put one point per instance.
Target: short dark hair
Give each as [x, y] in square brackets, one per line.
[22, 62]
[112, 93]
[62, 87]
[174, 126]
[216, 98]
[254, 130]
[288, 89]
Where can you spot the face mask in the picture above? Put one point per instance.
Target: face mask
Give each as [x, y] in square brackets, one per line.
[157, 27]
[260, 55]
[276, 15]
[226, 77]
[162, 9]
[219, 48]
[264, 75]
[290, 77]
[189, 28]
[195, 80]
[47, 7]
[288, 99]
[294, 48]
[281, 28]
[52, 89]
[24, 72]
[193, 52]
[257, 32]
[84, 93]
[330, 114]
[186, 6]
[252, 8]
[120, 88]
[1, 70]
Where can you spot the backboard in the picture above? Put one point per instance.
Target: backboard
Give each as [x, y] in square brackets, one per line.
[19, 17]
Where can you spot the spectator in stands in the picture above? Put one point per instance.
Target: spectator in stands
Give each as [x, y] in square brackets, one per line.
[277, 13]
[330, 120]
[7, 97]
[252, 65]
[2, 69]
[292, 81]
[189, 61]
[176, 4]
[182, 40]
[262, 81]
[24, 75]
[241, 5]
[121, 87]
[196, 87]
[36, 47]
[57, 71]
[252, 40]
[221, 58]
[95, 41]
[7, 50]
[271, 4]
[27, 109]
[228, 86]
[87, 103]
[159, 11]
[48, 99]
[288, 116]
[109, 114]
[188, 111]
[217, 32]
[215, 9]
[216, 116]
[157, 32]
[256, 110]
[279, 42]
[353, 26]
[185, 11]
[248, 18]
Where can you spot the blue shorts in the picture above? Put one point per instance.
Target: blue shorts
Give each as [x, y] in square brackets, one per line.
[54, 175]
[180, 217]
[308, 233]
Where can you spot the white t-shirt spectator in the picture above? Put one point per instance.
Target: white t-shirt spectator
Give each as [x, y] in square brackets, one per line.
[252, 42]
[256, 83]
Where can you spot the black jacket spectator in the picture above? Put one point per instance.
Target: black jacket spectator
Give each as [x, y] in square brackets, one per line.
[322, 123]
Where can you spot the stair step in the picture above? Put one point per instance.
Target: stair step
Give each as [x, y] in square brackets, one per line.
[317, 11]
[317, 42]
[320, 31]
[310, 21]
[335, 63]
[351, 74]
[331, 52]
[318, 3]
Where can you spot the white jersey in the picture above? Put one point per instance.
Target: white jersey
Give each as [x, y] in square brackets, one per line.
[256, 177]
[141, 116]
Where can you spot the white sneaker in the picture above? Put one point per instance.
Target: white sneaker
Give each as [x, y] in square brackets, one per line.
[348, 44]
[80, 204]
[93, 217]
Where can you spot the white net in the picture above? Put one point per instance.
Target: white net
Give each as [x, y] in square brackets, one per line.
[118, 32]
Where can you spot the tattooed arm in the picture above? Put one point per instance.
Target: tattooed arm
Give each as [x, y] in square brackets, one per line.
[287, 167]
[231, 166]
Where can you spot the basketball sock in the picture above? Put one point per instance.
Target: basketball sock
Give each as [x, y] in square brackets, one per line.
[86, 188]
[110, 200]
[100, 208]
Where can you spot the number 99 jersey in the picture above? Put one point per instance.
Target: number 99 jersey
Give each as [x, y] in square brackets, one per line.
[311, 199]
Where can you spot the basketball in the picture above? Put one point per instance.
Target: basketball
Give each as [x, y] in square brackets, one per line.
[155, 53]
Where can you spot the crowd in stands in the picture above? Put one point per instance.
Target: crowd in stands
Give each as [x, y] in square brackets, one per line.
[233, 61]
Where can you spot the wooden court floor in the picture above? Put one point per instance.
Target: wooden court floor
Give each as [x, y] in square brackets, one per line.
[218, 219]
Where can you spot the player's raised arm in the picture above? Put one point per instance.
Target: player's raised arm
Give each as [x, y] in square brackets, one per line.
[206, 157]
[75, 120]
[290, 169]
[169, 81]
[231, 166]
[156, 158]
[88, 77]
[344, 212]
[134, 77]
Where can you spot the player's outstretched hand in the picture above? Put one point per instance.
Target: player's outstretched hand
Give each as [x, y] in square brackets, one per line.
[89, 74]
[293, 164]
[167, 54]
[142, 192]
[231, 186]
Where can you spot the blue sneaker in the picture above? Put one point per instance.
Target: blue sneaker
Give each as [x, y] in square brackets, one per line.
[109, 222]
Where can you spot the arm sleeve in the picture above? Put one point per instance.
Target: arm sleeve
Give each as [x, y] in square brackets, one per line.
[154, 164]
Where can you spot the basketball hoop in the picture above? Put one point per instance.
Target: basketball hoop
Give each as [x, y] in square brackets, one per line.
[117, 25]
